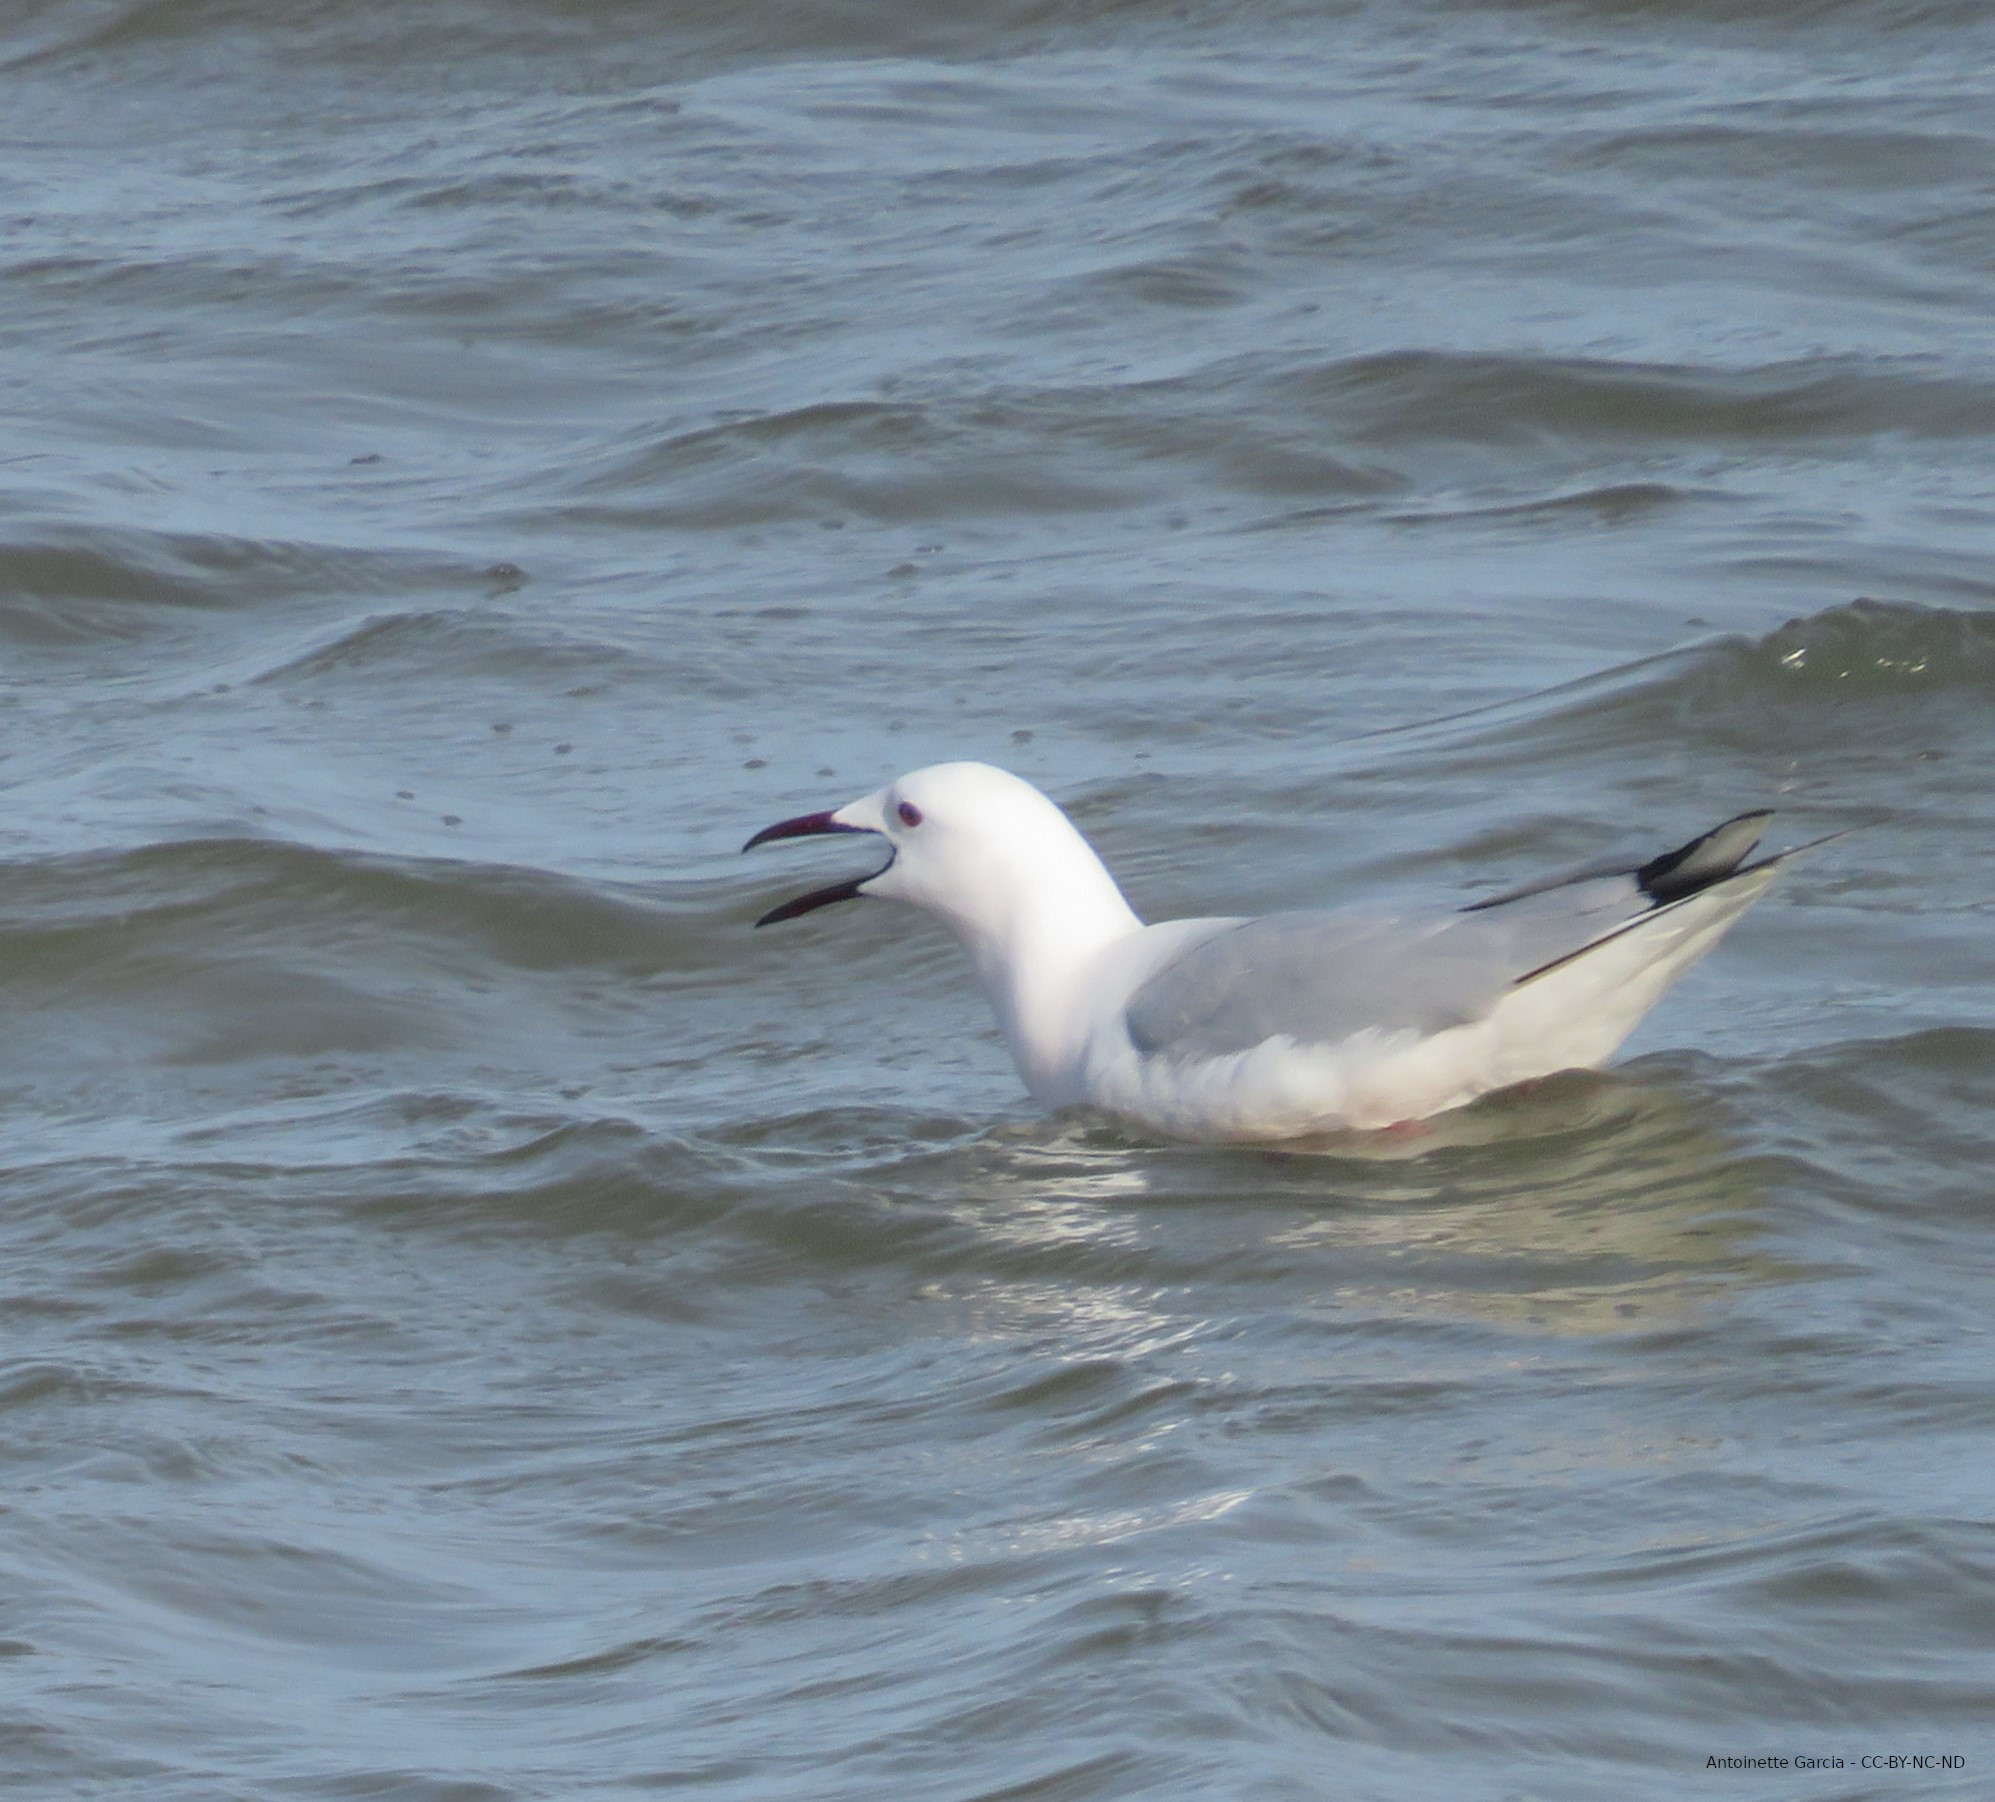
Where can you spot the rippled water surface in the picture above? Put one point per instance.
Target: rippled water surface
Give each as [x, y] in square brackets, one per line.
[477, 1322]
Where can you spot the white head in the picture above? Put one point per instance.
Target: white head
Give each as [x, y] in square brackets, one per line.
[973, 843]
[1003, 866]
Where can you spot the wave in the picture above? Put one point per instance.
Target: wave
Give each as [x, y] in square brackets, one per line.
[901, 462]
[220, 894]
[1919, 671]
[407, 42]
[1477, 395]
[488, 642]
[68, 585]
[1852, 1110]
[1870, 647]
[1399, 434]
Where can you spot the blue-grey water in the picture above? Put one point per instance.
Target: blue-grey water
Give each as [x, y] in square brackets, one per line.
[478, 1322]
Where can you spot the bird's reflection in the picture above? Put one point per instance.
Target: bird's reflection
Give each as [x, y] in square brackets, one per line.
[1587, 1204]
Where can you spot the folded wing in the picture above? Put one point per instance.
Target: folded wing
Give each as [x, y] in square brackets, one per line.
[1319, 978]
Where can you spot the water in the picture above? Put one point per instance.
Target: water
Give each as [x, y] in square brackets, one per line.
[476, 1321]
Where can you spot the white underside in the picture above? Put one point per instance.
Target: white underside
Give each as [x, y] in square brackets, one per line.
[1572, 1017]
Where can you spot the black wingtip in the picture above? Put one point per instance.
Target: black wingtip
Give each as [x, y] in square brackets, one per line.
[1709, 858]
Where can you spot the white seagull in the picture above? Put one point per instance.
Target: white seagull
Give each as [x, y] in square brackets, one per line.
[1293, 1024]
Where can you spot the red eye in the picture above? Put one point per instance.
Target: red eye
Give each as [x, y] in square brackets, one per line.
[910, 814]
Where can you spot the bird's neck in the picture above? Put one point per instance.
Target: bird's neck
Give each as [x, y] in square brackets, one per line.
[1034, 949]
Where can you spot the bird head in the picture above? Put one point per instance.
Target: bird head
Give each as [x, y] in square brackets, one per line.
[964, 840]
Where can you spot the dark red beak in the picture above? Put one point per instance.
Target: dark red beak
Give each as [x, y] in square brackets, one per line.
[805, 825]
[810, 825]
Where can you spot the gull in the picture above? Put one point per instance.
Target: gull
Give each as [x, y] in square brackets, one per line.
[1290, 1025]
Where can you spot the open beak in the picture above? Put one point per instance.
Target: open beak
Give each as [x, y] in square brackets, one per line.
[812, 825]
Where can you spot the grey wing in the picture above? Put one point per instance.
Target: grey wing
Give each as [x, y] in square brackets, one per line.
[1318, 978]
